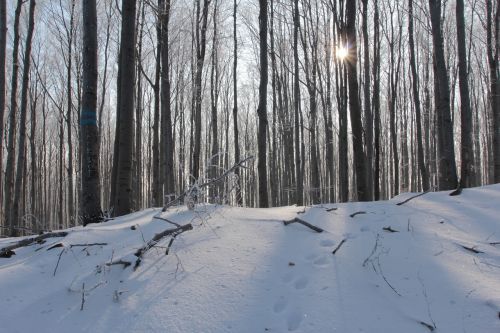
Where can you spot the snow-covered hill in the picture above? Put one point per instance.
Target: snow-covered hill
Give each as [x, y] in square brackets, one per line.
[243, 270]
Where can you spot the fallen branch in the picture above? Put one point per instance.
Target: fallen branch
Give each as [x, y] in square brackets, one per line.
[119, 262]
[83, 296]
[357, 213]
[331, 209]
[338, 247]
[389, 229]
[494, 243]
[309, 225]
[87, 245]
[471, 249]
[181, 197]
[430, 327]
[167, 220]
[8, 251]
[139, 253]
[413, 197]
[58, 260]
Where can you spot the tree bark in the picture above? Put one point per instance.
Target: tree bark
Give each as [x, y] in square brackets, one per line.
[123, 200]
[90, 196]
[416, 100]
[11, 147]
[21, 156]
[262, 108]
[354, 105]
[447, 173]
[466, 148]
[299, 190]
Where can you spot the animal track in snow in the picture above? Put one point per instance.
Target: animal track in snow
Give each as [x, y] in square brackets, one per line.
[301, 282]
[287, 277]
[327, 242]
[294, 320]
[280, 305]
[322, 261]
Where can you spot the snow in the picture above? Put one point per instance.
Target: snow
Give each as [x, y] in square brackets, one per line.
[243, 270]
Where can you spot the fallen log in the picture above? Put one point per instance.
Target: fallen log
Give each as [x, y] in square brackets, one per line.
[8, 251]
[357, 213]
[307, 224]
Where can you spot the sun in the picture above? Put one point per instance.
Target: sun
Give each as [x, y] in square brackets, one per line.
[342, 52]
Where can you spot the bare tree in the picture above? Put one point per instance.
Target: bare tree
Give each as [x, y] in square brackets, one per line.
[90, 196]
[262, 108]
[354, 105]
[125, 124]
[447, 173]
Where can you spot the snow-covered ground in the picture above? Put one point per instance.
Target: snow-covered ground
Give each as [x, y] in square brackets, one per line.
[243, 270]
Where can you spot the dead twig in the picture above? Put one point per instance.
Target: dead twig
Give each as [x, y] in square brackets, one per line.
[471, 249]
[331, 209]
[83, 296]
[119, 262]
[167, 220]
[307, 224]
[338, 247]
[428, 326]
[389, 229]
[357, 213]
[58, 260]
[373, 251]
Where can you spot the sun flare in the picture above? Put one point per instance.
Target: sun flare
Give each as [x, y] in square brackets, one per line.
[342, 52]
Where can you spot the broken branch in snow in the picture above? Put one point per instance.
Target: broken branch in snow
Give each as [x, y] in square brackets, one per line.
[389, 229]
[331, 209]
[415, 196]
[471, 249]
[430, 327]
[167, 220]
[119, 262]
[309, 225]
[357, 213]
[373, 251]
[58, 260]
[494, 243]
[139, 253]
[83, 296]
[181, 197]
[8, 251]
[338, 247]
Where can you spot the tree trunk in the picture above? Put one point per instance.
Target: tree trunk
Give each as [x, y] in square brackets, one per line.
[167, 162]
[201, 43]
[416, 100]
[466, 148]
[262, 108]
[447, 173]
[367, 106]
[91, 196]
[11, 147]
[357, 128]
[299, 190]
[21, 156]
[493, 38]
[3, 44]
[125, 125]
[239, 198]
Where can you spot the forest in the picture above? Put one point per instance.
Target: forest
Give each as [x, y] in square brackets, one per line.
[110, 107]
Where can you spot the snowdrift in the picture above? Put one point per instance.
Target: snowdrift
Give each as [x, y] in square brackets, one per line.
[432, 264]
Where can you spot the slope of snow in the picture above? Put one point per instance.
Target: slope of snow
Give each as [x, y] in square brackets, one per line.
[242, 270]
